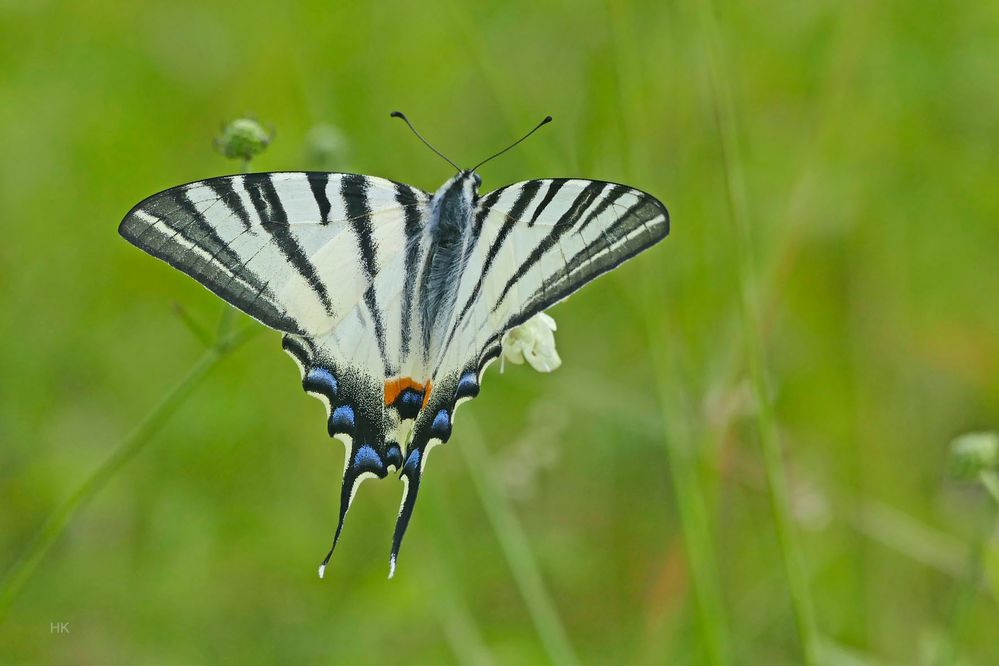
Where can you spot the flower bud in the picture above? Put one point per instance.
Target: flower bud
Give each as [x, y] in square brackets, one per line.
[243, 139]
[973, 453]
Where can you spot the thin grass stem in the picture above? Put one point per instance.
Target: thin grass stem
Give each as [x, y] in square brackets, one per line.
[516, 547]
[225, 321]
[691, 505]
[683, 458]
[724, 113]
[132, 444]
[193, 325]
[444, 588]
[961, 606]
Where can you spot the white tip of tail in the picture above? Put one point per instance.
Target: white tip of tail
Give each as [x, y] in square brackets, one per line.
[391, 567]
[322, 570]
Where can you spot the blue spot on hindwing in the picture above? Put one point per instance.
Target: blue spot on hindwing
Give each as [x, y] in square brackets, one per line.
[320, 380]
[393, 455]
[367, 459]
[468, 386]
[413, 462]
[342, 420]
[441, 427]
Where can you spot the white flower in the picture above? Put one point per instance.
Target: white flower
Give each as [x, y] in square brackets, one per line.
[533, 341]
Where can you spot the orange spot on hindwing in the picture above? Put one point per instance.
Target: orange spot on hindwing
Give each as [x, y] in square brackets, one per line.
[393, 387]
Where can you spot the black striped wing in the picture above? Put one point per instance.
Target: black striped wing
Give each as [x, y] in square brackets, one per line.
[533, 244]
[295, 250]
[537, 242]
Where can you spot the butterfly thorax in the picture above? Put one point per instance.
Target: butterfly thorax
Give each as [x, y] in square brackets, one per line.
[449, 230]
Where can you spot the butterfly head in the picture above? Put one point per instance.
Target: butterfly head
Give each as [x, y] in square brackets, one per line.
[470, 182]
[463, 185]
[455, 200]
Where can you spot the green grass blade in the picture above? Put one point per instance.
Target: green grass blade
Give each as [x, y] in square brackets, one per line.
[516, 547]
[750, 318]
[132, 444]
[691, 505]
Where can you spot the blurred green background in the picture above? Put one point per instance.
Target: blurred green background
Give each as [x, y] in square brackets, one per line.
[869, 136]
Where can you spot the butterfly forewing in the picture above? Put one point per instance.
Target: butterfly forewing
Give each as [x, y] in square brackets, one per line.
[547, 238]
[286, 248]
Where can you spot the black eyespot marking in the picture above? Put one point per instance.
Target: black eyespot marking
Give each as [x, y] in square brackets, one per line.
[409, 403]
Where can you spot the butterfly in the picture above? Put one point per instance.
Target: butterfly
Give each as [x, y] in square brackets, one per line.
[392, 300]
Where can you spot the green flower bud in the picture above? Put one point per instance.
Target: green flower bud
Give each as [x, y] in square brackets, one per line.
[974, 453]
[243, 139]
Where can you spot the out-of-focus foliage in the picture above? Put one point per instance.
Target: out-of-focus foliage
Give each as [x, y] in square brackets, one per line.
[870, 144]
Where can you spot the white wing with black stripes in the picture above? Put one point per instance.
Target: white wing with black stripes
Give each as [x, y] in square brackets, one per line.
[296, 251]
[529, 246]
[536, 243]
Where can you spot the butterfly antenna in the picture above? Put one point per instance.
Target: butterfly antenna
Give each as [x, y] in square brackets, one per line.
[544, 122]
[400, 114]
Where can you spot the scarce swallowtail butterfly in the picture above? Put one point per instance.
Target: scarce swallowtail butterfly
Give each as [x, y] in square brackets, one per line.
[392, 300]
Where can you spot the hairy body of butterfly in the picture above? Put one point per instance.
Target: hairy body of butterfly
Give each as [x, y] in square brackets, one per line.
[392, 300]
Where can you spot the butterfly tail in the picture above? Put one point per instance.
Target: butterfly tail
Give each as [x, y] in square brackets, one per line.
[432, 427]
[365, 462]
[412, 472]
[345, 498]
